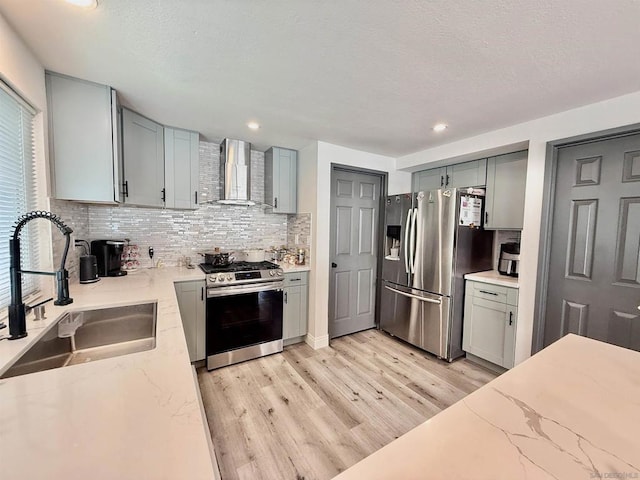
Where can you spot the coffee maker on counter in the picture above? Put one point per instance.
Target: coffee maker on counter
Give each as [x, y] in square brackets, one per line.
[108, 255]
[509, 263]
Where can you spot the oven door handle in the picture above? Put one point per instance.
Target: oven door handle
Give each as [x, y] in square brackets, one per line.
[226, 291]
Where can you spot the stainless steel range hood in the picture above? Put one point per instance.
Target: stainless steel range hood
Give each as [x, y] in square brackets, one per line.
[235, 172]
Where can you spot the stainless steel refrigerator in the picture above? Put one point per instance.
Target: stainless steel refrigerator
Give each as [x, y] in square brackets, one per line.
[432, 240]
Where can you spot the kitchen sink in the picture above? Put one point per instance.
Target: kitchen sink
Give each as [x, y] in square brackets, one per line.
[90, 335]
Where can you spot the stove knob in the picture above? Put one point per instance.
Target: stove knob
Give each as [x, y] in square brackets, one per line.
[272, 273]
[221, 277]
[212, 279]
[229, 277]
[279, 272]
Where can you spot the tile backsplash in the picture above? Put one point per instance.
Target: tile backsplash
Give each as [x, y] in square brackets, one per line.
[176, 233]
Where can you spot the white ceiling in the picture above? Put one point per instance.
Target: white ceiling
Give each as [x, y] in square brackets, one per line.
[375, 75]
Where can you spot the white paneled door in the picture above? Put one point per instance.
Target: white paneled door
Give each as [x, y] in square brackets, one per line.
[355, 209]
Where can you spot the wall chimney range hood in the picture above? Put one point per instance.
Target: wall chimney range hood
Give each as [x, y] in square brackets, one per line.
[235, 172]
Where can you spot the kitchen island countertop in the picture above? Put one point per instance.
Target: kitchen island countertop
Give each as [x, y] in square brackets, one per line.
[569, 412]
[130, 417]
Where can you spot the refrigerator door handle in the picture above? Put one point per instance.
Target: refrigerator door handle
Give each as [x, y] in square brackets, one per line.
[414, 234]
[407, 234]
[417, 297]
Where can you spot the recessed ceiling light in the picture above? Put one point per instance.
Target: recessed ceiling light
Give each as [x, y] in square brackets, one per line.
[253, 125]
[83, 3]
[439, 127]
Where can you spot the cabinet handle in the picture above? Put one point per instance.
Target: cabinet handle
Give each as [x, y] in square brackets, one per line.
[202, 294]
[442, 180]
[126, 188]
[486, 217]
[275, 202]
[285, 297]
[196, 197]
[510, 318]
[164, 195]
[447, 184]
[488, 293]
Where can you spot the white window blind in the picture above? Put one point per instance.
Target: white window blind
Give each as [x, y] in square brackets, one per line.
[17, 189]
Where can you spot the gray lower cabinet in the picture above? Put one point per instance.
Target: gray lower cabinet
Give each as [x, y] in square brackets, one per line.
[281, 180]
[181, 168]
[295, 309]
[506, 181]
[84, 131]
[490, 320]
[466, 174]
[191, 301]
[143, 156]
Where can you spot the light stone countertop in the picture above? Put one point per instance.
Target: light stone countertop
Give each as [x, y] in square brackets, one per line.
[569, 412]
[494, 277]
[288, 268]
[137, 416]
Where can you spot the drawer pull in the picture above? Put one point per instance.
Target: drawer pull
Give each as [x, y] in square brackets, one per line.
[295, 279]
[489, 293]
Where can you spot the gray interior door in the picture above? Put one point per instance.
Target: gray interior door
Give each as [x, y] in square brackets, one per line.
[355, 207]
[594, 273]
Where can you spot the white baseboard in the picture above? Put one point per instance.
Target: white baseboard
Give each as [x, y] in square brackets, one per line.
[317, 342]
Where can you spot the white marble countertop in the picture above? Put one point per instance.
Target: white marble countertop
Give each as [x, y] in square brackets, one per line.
[569, 412]
[136, 416]
[493, 277]
[288, 268]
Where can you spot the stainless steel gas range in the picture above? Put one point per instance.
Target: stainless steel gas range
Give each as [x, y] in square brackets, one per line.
[244, 312]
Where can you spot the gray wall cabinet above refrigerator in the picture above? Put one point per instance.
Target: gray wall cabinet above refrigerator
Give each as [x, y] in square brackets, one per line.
[281, 180]
[143, 155]
[506, 181]
[83, 140]
[467, 174]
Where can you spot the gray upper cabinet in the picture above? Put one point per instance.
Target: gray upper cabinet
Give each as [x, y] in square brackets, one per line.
[143, 152]
[281, 179]
[431, 179]
[506, 180]
[181, 168]
[83, 140]
[467, 174]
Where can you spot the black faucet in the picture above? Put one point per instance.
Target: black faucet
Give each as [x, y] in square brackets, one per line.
[17, 309]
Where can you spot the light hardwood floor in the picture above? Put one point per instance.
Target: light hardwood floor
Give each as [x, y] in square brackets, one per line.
[310, 414]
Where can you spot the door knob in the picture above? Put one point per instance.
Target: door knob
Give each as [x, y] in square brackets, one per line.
[335, 265]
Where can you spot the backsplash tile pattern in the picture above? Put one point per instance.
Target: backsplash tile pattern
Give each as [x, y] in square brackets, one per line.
[76, 216]
[299, 225]
[176, 233]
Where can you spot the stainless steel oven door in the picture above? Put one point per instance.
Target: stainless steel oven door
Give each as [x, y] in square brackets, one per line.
[243, 323]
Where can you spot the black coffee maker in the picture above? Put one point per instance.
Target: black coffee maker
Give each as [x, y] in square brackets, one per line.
[108, 253]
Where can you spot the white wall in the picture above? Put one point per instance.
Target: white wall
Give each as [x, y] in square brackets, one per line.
[314, 191]
[604, 115]
[23, 72]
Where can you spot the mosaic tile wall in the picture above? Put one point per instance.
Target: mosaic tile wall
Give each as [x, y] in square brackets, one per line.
[176, 233]
[76, 216]
[299, 225]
